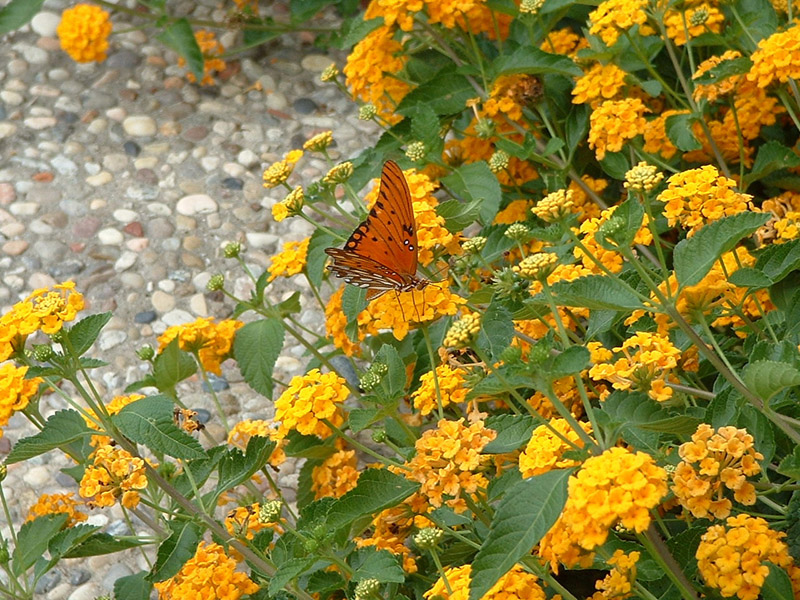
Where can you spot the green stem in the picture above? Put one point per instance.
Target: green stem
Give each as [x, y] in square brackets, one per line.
[659, 552]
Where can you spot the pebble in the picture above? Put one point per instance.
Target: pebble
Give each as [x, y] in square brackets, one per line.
[110, 237]
[36, 477]
[162, 301]
[15, 247]
[261, 240]
[131, 148]
[102, 178]
[111, 338]
[139, 126]
[196, 204]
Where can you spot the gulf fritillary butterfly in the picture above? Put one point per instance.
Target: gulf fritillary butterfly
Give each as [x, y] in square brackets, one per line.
[381, 254]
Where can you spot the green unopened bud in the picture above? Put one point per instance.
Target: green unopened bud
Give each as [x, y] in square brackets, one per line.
[379, 436]
[498, 161]
[428, 538]
[146, 353]
[367, 112]
[330, 73]
[474, 245]
[366, 588]
[217, 282]
[512, 354]
[699, 16]
[530, 7]
[379, 369]
[539, 353]
[232, 249]
[4, 554]
[517, 232]
[610, 229]
[339, 174]
[42, 353]
[485, 128]
[369, 381]
[3, 472]
[270, 512]
[416, 151]
[58, 336]
[537, 266]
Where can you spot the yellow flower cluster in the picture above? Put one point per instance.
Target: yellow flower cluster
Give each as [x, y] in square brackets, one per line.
[277, 173]
[712, 91]
[517, 584]
[242, 522]
[536, 266]
[656, 140]
[544, 451]
[319, 142]
[114, 472]
[695, 19]
[619, 486]
[448, 462]
[310, 399]
[289, 206]
[210, 573]
[399, 312]
[516, 211]
[732, 557]
[566, 391]
[211, 49]
[610, 259]
[451, 388]
[618, 584]
[564, 41]
[777, 58]
[510, 94]
[699, 196]
[612, 17]
[15, 391]
[211, 341]
[463, 331]
[241, 433]
[784, 225]
[554, 206]
[389, 531]
[600, 83]
[289, 261]
[646, 364]
[585, 207]
[335, 323]
[643, 177]
[712, 462]
[52, 504]
[337, 475]
[83, 32]
[613, 123]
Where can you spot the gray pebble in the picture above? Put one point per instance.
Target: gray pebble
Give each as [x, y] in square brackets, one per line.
[144, 317]
[232, 183]
[131, 148]
[48, 581]
[305, 106]
[78, 576]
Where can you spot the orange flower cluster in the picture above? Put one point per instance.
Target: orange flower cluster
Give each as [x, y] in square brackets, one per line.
[680, 24]
[712, 91]
[598, 84]
[241, 433]
[613, 123]
[716, 460]
[211, 49]
[289, 261]
[210, 573]
[337, 475]
[547, 445]
[83, 32]
[114, 473]
[52, 504]
[732, 557]
[619, 486]
[447, 462]
[15, 391]
[566, 391]
[211, 341]
[451, 389]
[613, 17]
[517, 584]
[335, 324]
[310, 399]
[390, 528]
[618, 584]
[777, 58]
[592, 250]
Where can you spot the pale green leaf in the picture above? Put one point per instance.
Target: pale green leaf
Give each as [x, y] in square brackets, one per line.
[256, 349]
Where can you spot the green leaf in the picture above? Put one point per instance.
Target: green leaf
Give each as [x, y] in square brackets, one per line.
[777, 586]
[513, 432]
[778, 260]
[395, 379]
[353, 31]
[376, 490]
[133, 587]
[772, 156]
[596, 292]
[303, 11]
[790, 465]
[457, 215]
[174, 551]
[679, 132]
[179, 36]
[749, 278]
[766, 378]
[256, 347]
[677, 425]
[61, 428]
[425, 125]
[523, 516]
[83, 334]
[370, 563]
[67, 539]
[760, 428]
[529, 59]
[724, 70]
[17, 13]
[445, 94]
[497, 330]
[307, 446]
[103, 543]
[572, 360]
[315, 265]
[576, 126]
[476, 182]
[234, 467]
[32, 541]
[290, 306]
[615, 164]
[172, 365]
[149, 421]
[683, 548]
[354, 300]
[695, 256]
[361, 418]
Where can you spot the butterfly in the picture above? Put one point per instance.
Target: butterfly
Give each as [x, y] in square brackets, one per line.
[381, 254]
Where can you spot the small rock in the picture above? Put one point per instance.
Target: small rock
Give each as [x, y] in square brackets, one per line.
[39, 123]
[135, 229]
[64, 166]
[110, 237]
[315, 63]
[256, 239]
[248, 158]
[86, 227]
[24, 209]
[177, 317]
[88, 591]
[195, 134]
[102, 178]
[131, 148]
[232, 183]
[305, 106]
[7, 193]
[144, 317]
[162, 301]
[139, 126]
[196, 204]
[45, 23]
[48, 581]
[78, 576]
[15, 247]
[7, 130]
[37, 477]
[218, 384]
[125, 261]
[111, 338]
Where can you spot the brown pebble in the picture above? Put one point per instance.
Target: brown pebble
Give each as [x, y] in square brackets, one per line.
[279, 113]
[170, 128]
[43, 176]
[156, 61]
[231, 68]
[173, 83]
[128, 95]
[7, 193]
[77, 247]
[89, 116]
[15, 247]
[134, 228]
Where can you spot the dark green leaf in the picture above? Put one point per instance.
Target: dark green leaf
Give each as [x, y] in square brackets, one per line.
[17, 13]
[174, 551]
[172, 365]
[766, 378]
[771, 157]
[83, 334]
[32, 541]
[234, 468]
[395, 380]
[790, 465]
[513, 432]
[759, 427]
[596, 292]
[778, 260]
[354, 300]
[750, 278]
[523, 516]
[529, 59]
[576, 125]
[355, 30]
[315, 265]
[371, 563]
[133, 587]
[679, 132]
[307, 446]
[67, 539]
[376, 490]
[497, 330]
[445, 94]
[103, 543]
[256, 348]
[572, 360]
[476, 182]
[62, 428]
[615, 164]
[425, 125]
[361, 418]
[683, 548]
[149, 421]
[724, 70]
[303, 11]
[677, 425]
[290, 306]
[179, 36]
[457, 215]
[695, 256]
[777, 586]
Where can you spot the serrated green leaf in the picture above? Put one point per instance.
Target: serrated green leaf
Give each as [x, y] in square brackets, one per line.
[512, 432]
[64, 427]
[65, 540]
[361, 418]
[425, 125]
[445, 94]
[32, 541]
[523, 516]
[371, 563]
[476, 182]
[596, 292]
[790, 465]
[103, 543]
[683, 548]
[695, 256]
[457, 215]
[572, 360]
[354, 300]
[529, 59]
[679, 131]
[235, 467]
[179, 36]
[84, 333]
[353, 31]
[376, 490]
[724, 70]
[677, 425]
[174, 551]
[307, 446]
[766, 378]
[760, 428]
[315, 264]
[772, 156]
[172, 365]
[17, 13]
[778, 260]
[777, 585]
[497, 330]
[256, 349]
[290, 306]
[133, 587]
[749, 278]
[395, 380]
[149, 422]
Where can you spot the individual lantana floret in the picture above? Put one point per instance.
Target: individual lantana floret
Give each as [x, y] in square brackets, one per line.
[337, 475]
[777, 58]
[212, 50]
[211, 341]
[732, 557]
[339, 173]
[289, 261]
[289, 206]
[463, 331]
[114, 473]
[545, 449]
[277, 173]
[613, 123]
[15, 391]
[554, 206]
[643, 177]
[537, 266]
[451, 389]
[711, 463]
[310, 399]
[83, 33]
[51, 504]
[517, 584]
[320, 142]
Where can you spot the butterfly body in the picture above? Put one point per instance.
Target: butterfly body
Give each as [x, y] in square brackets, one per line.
[381, 254]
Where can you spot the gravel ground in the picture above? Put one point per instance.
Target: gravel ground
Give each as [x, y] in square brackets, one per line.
[128, 180]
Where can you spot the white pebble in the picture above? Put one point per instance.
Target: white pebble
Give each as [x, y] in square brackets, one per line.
[210, 163]
[45, 23]
[7, 130]
[110, 236]
[23, 209]
[125, 261]
[159, 209]
[139, 126]
[177, 317]
[162, 301]
[98, 125]
[124, 215]
[196, 204]
[88, 591]
[11, 98]
[102, 178]
[197, 304]
[111, 338]
[247, 158]
[315, 63]
[63, 165]
[257, 239]
[37, 477]
[166, 285]
[39, 123]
